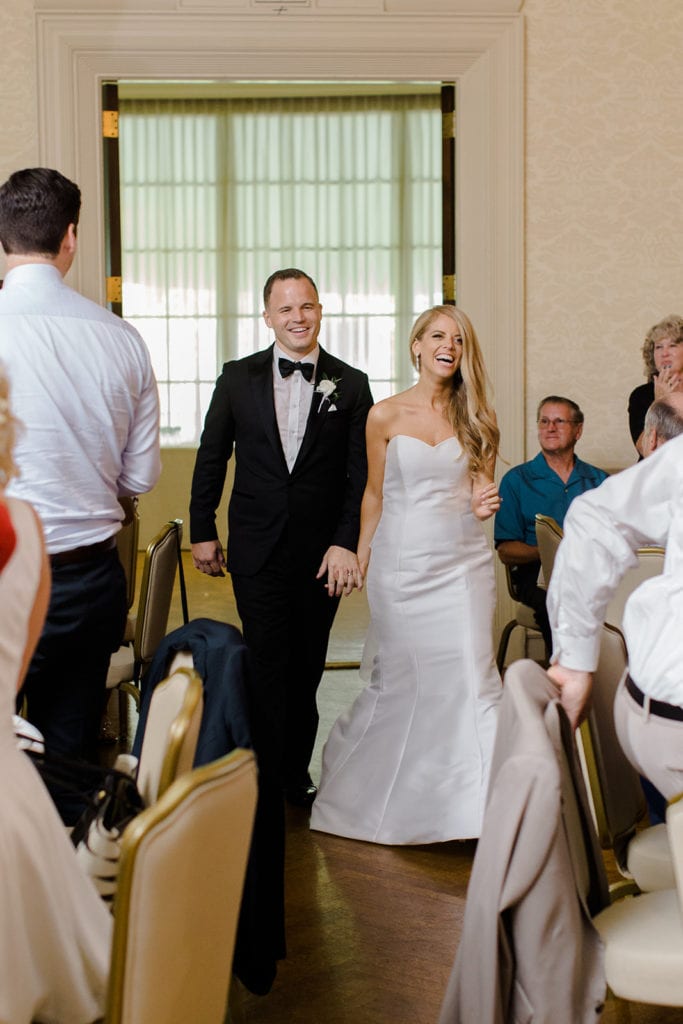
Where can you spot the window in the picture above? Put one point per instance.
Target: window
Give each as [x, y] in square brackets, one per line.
[216, 194]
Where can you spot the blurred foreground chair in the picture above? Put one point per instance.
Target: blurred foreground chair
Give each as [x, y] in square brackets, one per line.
[151, 619]
[616, 792]
[528, 949]
[181, 875]
[650, 563]
[127, 546]
[548, 536]
[524, 618]
[168, 750]
[643, 935]
[171, 731]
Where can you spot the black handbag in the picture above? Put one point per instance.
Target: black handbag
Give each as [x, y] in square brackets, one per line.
[112, 800]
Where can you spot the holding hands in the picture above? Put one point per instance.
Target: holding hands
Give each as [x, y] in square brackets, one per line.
[343, 571]
[208, 557]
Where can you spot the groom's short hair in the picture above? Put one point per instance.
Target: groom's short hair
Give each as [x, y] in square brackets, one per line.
[285, 275]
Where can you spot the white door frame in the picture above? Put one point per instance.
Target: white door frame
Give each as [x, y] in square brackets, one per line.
[322, 40]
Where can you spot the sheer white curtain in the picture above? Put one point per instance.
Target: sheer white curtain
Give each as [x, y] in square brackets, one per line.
[216, 194]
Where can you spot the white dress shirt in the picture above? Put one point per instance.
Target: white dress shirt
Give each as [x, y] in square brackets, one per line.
[641, 506]
[293, 396]
[82, 385]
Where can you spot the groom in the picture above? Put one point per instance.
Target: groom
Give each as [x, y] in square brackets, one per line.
[295, 416]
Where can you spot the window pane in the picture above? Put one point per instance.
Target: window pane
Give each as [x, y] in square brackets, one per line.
[350, 192]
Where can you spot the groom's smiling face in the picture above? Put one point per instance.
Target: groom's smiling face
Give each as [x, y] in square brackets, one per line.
[294, 313]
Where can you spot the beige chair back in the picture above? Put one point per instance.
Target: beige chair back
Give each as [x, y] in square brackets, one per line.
[524, 618]
[127, 546]
[156, 590]
[171, 732]
[615, 789]
[181, 876]
[650, 563]
[674, 827]
[643, 939]
[548, 537]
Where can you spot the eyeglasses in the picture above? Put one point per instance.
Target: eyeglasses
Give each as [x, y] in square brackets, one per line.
[545, 422]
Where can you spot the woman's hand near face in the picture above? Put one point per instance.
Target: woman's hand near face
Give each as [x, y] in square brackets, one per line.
[667, 381]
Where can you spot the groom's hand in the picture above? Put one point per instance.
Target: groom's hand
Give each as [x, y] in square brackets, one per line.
[343, 571]
[207, 556]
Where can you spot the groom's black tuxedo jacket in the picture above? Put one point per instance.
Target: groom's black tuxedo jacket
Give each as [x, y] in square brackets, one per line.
[318, 503]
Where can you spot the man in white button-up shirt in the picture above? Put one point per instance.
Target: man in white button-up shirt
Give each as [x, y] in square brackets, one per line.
[82, 385]
[642, 505]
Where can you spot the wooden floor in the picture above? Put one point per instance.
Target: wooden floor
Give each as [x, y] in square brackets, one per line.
[371, 930]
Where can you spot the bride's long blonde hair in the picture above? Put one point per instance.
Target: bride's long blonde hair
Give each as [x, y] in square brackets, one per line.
[8, 432]
[469, 410]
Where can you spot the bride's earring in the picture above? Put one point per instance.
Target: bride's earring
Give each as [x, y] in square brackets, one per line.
[417, 361]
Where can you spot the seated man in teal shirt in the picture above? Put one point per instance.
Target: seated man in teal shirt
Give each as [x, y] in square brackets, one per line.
[547, 484]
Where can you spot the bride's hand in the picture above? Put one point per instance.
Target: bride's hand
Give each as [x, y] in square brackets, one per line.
[363, 561]
[486, 501]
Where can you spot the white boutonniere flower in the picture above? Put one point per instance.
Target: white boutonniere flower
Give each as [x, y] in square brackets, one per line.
[327, 387]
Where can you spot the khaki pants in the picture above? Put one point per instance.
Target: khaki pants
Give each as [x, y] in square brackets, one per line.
[653, 745]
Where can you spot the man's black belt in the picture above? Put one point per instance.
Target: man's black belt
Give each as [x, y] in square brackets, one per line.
[657, 707]
[84, 554]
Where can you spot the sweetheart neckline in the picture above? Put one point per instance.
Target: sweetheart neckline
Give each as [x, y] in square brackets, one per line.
[412, 437]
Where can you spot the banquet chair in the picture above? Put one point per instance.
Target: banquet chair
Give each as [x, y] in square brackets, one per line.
[151, 620]
[168, 749]
[642, 856]
[127, 547]
[650, 563]
[643, 935]
[181, 876]
[548, 536]
[523, 617]
[171, 731]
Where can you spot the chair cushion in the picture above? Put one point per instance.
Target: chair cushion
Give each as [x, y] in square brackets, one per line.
[649, 859]
[643, 938]
[525, 616]
[121, 667]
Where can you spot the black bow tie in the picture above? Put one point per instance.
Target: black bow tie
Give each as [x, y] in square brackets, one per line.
[287, 367]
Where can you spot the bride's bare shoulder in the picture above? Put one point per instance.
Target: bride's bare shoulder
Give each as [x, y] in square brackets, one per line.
[389, 408]
[389, 416]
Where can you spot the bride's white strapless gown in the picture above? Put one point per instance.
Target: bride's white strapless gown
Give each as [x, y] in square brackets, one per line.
[409, 762]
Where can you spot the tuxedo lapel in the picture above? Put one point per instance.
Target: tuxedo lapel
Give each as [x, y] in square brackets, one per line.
[261, 381]
[319, 407]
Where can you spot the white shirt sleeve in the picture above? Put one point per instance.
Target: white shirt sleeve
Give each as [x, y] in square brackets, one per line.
[602, 531]
[141, 459]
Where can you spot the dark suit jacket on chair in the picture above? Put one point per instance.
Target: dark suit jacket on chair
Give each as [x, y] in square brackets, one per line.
[319, 500]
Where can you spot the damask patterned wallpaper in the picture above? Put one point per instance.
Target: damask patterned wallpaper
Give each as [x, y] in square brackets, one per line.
[604, 194]
[18, 114]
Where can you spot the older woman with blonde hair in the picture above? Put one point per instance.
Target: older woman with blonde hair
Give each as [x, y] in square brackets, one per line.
[54, 930]
[663, 362]
[409, 762]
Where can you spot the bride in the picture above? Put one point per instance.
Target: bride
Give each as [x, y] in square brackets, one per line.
[409, 762]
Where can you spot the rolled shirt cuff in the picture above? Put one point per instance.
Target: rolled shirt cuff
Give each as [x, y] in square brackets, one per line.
[580, 653]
